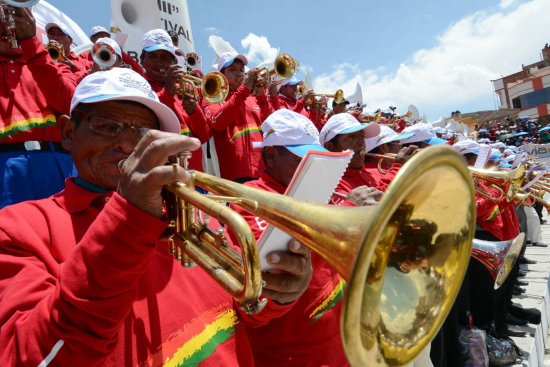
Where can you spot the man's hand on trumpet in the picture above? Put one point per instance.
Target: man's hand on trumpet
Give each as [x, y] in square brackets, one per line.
[174, 74]
[250, 79]
[144, 173]
[308, 97]
[364, 196]
[188, 104]
[406, 153]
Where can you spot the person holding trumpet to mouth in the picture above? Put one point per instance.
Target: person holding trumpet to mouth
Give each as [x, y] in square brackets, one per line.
[158, 58]
[236, 122]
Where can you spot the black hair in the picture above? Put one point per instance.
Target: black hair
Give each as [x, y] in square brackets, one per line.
[280, 149]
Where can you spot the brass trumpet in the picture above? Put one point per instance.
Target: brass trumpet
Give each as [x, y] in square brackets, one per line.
[381, 158]
[56, 51]
[508, 183]
[403, 260]
[338, 96]
[9, 47]
[192, 59]
[103, 55]
[368, 118]
[284, 68]
[498, 257]
[214, 87]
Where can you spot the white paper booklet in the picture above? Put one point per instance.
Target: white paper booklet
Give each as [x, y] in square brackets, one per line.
[315, 179]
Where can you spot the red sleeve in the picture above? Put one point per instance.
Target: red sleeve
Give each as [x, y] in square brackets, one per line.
[265, 107]
[385, 180]
[220, 116]
[198, 124]
[56, 81]
[133, 64]
[77, 306]
[299, 106]
[486, 209]
[275, 104]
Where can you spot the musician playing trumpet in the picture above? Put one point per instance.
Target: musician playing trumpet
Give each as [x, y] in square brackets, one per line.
[236, 122]
[158, 58]
[82, 275]
[59, 36]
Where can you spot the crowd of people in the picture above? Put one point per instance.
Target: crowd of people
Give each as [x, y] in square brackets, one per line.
[522, 131]
[84, 278]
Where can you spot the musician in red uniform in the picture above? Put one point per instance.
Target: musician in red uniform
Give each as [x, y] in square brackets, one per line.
[158, 58]
[34, 92]
[308, 335]
[83, 279]
[57, 32]
[236, 122]
[98, 32]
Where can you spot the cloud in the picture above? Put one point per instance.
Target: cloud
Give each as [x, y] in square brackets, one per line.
[455, 72]
[259, 49]
[213, 30]
[506, 3]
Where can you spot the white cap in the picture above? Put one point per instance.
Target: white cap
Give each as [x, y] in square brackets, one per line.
[386, 135]
[510, 158]
[467, 146]
[121, 84]
[345, 123]
[499, 144]
[421, 132]
[508, 152]
[111, 42]
[291, 130]
[59, 25]
[439, 130]
[227, 59]
[289, 81]
[158, 39]
[97, 29]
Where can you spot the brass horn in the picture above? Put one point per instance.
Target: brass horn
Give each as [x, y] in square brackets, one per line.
[192, 59]
[103, 55]
[508, 181]
[9, 47]
[214, 87]
[56, 51]
[498, 256]
[403, 260]
[381, 158]
[284, 68]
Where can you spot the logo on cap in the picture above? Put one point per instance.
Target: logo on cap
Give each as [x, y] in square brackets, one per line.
[143, 86]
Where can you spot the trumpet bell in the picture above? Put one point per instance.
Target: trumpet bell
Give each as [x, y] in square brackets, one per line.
[56, 52]
[498, 257]
[404, 260]
[103, 55]
[215, 87]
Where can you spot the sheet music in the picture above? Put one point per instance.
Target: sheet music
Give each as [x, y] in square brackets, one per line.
[315, 179]
[483, 156]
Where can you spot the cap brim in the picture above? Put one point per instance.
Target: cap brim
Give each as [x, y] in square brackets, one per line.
[435, 141]
[168, 120]
[403, 136]
[242, 58]
[302, 150]
[160, 47]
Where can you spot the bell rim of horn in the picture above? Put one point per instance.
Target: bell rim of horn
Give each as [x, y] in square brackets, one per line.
[433, 157]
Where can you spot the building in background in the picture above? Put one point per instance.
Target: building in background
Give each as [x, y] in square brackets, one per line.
[527, 90]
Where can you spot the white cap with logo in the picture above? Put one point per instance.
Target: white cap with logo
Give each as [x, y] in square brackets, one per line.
[111, 42]
[345, 123]
[387, 135]
[158, 39]
[467, 146]
[121, 84]
[291, 130]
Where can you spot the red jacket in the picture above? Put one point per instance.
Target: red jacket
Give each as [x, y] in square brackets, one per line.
[80, 61]
[498, 218]
[34, 92]
[83, 282]
[309, 334]
[193, 125]
[235, 124]
[368, 175]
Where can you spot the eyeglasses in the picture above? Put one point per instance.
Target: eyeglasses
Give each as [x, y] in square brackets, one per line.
[108, 126]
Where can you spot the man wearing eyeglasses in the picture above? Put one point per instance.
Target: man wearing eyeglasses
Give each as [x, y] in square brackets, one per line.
[83, 278]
